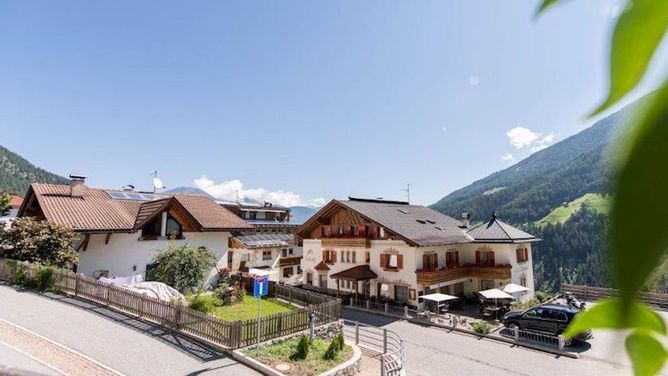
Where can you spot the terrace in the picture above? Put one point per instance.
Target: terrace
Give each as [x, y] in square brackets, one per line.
[429, 277]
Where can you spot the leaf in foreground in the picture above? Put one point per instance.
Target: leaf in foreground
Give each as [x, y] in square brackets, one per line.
[544, 5]
[608, 314]
[639, 215]
[638, 32]
[646, 352]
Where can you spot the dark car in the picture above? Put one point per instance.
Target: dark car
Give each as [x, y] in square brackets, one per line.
[546, 318]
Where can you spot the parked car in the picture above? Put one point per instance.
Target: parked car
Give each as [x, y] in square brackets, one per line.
[546, 318]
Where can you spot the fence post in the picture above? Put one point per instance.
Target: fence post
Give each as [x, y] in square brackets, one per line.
[428, 316]
[384, 341]
[516, 332]
[561, 342]
[405, 311]
[177, 315]
[351, 302]
[357, 332]
[108, 294]
[382, 365]
[76, 285]
[368, 304]
[454, 321]
[387, 308]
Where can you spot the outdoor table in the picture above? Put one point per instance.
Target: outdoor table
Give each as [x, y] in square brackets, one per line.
[494, 310]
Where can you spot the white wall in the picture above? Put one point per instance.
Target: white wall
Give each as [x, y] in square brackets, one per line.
[124, 251]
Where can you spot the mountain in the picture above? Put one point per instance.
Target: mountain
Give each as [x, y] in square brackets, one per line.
[561, 195]
[189, 191]
[16, 173]
[300, 214]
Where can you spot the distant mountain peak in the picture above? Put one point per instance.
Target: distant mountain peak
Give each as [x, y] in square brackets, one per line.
[17, 173]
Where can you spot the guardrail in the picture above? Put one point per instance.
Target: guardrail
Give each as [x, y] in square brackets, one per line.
[386, 343]
[593, 293]
[535, 337]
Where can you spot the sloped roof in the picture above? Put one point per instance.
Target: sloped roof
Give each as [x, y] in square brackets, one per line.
[15, 201]
[96, 210]
[266, 240]
[356, 273]
[496, 231]
[322, 267]
[419, 224]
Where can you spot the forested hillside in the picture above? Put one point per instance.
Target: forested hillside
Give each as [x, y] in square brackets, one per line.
[16, 173]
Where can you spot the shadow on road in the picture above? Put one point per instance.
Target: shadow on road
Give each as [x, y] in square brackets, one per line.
[181, 343]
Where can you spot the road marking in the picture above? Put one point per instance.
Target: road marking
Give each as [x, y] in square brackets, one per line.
[32, 357]
[57, 356]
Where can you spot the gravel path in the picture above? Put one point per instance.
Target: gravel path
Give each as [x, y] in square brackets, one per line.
[122, 343]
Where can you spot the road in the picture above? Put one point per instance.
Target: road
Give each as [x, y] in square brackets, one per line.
[432, 351]
[119, 342]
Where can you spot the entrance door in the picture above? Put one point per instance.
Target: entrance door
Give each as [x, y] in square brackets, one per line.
[401, 294]
[322, 280]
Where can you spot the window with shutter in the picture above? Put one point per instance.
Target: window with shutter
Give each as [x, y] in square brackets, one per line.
[400, 261]
[491, 259]
[333, 257]
[354, 253]
[477, 257]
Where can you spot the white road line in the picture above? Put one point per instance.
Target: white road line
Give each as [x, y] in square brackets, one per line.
[53, 368]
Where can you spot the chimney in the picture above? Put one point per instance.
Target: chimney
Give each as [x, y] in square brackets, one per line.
[77, 185]
[465, 219]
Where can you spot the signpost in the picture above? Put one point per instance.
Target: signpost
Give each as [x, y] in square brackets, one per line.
[260, 288]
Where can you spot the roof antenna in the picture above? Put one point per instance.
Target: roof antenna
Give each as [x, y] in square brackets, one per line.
[408, 192]
[157, 182]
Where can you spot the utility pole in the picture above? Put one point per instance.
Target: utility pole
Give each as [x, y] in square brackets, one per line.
[408, 192]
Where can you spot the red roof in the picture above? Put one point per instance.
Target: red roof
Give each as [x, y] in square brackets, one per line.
[15, 201]
[98, 211]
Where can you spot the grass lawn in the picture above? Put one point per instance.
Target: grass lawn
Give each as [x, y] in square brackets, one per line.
[561, 214]
[313, 364]
[248, 309]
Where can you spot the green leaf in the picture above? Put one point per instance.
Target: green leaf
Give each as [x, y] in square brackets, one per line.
[609, 314]
[639, 213]
[646, 352]
[638, 32]
[544, 5]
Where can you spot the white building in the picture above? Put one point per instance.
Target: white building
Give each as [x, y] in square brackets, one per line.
[121, 231]
[401, 251]
[14, 205]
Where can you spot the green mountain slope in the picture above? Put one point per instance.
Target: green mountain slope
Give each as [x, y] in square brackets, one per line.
[597, 202]
[16, 173]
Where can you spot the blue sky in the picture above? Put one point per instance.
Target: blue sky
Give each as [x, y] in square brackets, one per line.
[297, 101]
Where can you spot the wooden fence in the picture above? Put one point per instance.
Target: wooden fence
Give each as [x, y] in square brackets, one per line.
[228, 334]
[594, 293]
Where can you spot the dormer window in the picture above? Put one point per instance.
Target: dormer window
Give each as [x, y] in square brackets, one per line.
[153, 229]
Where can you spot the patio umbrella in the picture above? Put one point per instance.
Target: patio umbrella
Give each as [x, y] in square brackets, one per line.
[512, 288]
[438, 298]
[495, 294]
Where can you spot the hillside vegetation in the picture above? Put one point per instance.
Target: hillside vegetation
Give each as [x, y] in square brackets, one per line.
[595, 201]
[16, 173]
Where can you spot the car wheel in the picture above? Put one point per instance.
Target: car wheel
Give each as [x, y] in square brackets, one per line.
[513, 325]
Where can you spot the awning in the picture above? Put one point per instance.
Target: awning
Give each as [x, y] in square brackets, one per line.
[438, 297]
[512, 288]
[495, 294]
[356, 273]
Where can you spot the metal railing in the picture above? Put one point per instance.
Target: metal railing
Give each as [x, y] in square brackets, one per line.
[535, 337]
[386, 343]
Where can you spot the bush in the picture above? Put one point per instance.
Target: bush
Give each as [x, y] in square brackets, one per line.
[44, 279]
[302, 348]
[482, 327]
[203, 303]
[340, 341]
[185, 267]
[335, 347]
[542, 296]
[39, 242]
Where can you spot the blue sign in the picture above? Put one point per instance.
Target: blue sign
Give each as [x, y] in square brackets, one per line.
[260, 286]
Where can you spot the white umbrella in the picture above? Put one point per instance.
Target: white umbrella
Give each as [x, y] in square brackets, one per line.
[495, 294]
[438, 297]
[512, 288]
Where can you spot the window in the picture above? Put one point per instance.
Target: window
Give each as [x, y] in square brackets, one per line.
[452, 258]
[152, 230]
[401, 294]
[287, 272]
[284, 253]
[430, 261]
[367, 258]
[266, 255]
[522, 254]
[291, 251]
[354, 253]
[348, 256]
[322, 282]
[299, 269]
[535, 313]
[309, 279]
[484, 258]
[253, 215]
[391, 261]
[173, 228]
[523, 280]
[384, 289]
[343, 254]
[329, 257]
[486, 284]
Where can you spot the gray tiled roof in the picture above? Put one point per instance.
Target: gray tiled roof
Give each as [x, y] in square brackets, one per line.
[496, 231]
[267, 240]
[420, 224]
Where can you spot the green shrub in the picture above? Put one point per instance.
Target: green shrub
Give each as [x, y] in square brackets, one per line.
[542, 296]
[44, 279]
[332, 351]
[482, 327]
[203, 303]
[340, 341]
[302, 348]
[184, 267]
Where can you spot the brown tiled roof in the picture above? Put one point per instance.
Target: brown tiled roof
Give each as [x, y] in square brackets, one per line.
[356, 273]
[15, 201]
[321, 267]
[97, 211]
[148, 209]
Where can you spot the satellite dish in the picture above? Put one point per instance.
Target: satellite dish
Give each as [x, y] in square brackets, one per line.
[157, 183]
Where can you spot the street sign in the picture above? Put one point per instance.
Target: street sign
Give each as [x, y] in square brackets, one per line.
[260, 286]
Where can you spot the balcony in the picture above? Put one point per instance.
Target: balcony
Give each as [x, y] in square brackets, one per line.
[431, 277]
[346, 242]
[289, 261]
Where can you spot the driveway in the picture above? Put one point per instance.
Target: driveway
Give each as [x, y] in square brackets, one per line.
[434, 351]
[119, 342]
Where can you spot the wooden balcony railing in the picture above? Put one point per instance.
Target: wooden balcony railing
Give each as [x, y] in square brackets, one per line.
[289, 261]
[430, 277]
[346, 242]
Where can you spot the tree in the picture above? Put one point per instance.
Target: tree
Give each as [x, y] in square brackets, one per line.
[184, 267]
[39, 241]
[4, 204]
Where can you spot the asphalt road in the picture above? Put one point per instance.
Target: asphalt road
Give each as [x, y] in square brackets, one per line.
[120, 342]
[433, 351]
[12, 359]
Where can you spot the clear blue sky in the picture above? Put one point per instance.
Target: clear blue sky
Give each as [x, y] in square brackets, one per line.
[321, 99]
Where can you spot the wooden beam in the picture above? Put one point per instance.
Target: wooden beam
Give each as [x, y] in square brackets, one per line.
[84, 244]
[106, 239]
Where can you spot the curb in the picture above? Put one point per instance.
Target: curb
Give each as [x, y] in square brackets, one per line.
[532, 346]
